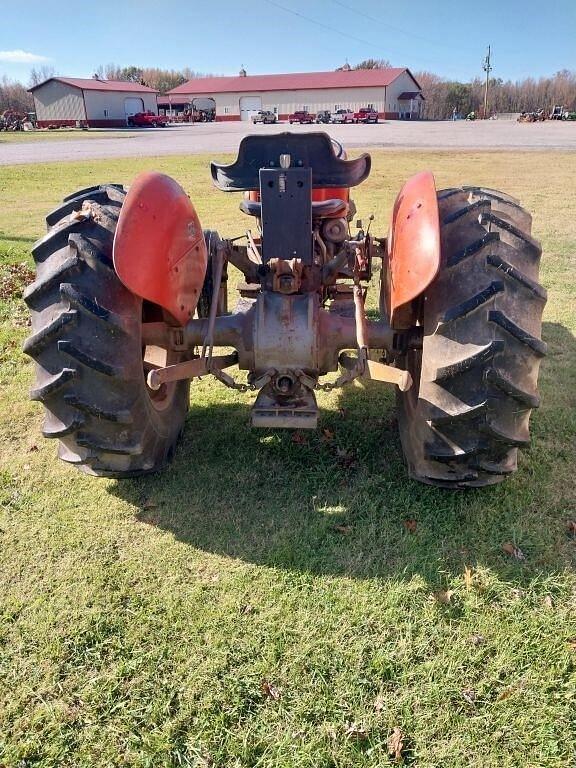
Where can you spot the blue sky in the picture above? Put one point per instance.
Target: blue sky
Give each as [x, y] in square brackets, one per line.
[528, 37]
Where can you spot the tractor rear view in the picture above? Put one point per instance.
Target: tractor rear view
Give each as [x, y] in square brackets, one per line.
[130, 306]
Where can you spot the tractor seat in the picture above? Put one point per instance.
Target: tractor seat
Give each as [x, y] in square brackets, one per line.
[332, 208]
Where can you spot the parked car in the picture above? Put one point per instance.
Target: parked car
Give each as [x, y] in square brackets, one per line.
[147, 120]
[366, 115]
[301, 116]
[264, 116]
[323, 116]
[342, 116]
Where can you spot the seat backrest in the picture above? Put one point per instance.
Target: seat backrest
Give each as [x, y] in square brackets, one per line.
[306, 150]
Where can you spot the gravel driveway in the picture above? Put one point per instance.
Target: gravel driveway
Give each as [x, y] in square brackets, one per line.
[217, 138]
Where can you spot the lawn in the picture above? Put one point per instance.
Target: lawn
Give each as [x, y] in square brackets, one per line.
[62, 134]
[276, 603]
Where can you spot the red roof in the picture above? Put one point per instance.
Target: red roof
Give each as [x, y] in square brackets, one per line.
[354, 78]
[92, 84]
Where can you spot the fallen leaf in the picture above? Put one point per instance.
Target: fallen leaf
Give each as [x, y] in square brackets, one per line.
[548, 601]
[328, 434]
[343, 412]
[477, 639]
[444, 597]
[396, 744]
[32, 448]
[469, 695]
[410, 525]
[270, 690]
[468, 578]
[149, 504]
[356, 731]
[245, 610]
[505, 694]
[572, 643]
[571, 528]
[379, 703]
[343, 528]
[514, 551]
[299, 439]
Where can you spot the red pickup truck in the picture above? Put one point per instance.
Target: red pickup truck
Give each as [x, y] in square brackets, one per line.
[366, 115]
[147, 120]
[300, 116]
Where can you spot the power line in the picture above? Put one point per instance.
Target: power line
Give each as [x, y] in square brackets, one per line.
[335, 29]
[393, 27]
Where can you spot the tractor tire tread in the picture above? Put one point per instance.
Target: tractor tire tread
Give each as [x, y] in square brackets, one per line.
[86, 345]
[465, 425]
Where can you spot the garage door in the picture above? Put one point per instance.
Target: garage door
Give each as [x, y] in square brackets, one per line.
[133, 105]
[249, 105]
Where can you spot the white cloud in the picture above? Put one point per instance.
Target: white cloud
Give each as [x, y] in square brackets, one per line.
[22, 57]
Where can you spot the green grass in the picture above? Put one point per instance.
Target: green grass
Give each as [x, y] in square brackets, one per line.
[62, 134]
[143, 622]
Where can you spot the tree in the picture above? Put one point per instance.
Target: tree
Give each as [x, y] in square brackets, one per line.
[373, 64]
[41, 74]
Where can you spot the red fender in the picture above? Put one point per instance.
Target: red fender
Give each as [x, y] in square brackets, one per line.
[413, 246]
[159, 251]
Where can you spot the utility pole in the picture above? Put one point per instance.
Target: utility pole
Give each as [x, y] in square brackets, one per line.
[487, 69]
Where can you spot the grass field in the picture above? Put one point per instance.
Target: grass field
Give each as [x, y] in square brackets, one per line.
[275, 603]
[62, 134]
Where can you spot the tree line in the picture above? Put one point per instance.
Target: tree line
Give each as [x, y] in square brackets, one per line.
[443, 96]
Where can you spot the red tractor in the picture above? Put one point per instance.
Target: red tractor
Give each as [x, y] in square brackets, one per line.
[130, 306]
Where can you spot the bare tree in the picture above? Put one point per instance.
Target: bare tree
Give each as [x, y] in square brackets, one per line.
[40, 74]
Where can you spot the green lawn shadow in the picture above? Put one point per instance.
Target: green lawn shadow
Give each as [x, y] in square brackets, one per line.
[338, 503]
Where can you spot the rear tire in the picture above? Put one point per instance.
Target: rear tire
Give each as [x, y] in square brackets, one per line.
[475, 380]
[90, 372]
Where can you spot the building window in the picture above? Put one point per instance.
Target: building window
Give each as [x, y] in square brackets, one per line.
[105, 113]
[337, 107]
[370, 106]
[305, 108]
[226, 110]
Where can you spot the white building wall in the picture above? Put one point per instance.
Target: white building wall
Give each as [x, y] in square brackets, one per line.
[402, 83]
[58, 101]
[109, 105]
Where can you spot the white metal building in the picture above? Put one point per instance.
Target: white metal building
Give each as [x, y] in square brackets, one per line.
[393, 92]
[95, 103]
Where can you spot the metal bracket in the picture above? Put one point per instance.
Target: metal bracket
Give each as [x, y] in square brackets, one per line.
[190, 369]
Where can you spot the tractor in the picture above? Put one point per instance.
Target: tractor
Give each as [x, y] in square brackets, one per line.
[130, 306]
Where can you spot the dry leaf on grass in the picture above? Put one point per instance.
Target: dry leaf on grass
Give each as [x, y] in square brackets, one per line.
[571, 528]
[270, 691]
[410, 525]
[379, 703]
[343, 528]
[444, 596]
[548, 602]
[572, 643]
[247, 609]
[469, 695]
[396, 745]
[299, 439]
[328, 435]
[33, 448]
[505, 694]
[149, 504]
[468, 578]
[477, 639]
[356, 731]
[514, 551]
